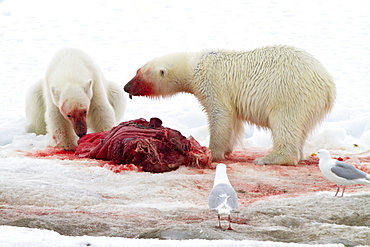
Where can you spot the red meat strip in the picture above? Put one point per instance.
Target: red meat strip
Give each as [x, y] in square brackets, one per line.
[146, 144]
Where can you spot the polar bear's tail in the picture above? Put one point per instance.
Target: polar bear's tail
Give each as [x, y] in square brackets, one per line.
[35, 108]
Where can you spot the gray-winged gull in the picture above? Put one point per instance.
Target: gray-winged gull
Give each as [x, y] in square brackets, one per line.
[340, 172]
[223, 198]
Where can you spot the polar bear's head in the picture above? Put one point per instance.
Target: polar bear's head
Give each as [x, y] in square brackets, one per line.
[163, 76]
[74, 103]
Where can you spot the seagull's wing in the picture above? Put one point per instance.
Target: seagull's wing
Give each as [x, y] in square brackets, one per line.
[346, 171]
[218, 195]
[233, 200]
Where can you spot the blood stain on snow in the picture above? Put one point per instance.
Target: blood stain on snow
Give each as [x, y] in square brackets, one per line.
[252, 182]
[267, 181]
[61, 154]
[49, 152]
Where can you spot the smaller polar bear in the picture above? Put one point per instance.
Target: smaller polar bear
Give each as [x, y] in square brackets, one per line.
[72, 97]
[281, 88]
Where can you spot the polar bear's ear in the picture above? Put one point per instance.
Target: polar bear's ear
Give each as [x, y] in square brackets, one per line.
[88, 89]
[55, 95]
[163, 72]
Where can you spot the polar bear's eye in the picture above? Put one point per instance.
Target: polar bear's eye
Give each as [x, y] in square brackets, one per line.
[69, 116]
[85, 112]
[162, 72]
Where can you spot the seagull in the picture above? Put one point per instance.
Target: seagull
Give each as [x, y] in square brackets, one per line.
[340, 172]
[222, 198]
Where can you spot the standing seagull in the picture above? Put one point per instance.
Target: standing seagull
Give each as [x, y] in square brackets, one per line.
[339, 172]
[223, 197]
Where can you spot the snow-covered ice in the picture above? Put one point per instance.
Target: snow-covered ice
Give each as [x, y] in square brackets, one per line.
[121, 36]
[44, 238]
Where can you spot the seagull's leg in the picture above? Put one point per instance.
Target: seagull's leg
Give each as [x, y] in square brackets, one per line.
[229, 219]
[337, 190]
[219, 222]
[344, 187]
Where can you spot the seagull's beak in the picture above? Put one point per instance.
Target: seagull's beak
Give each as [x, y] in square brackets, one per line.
[314, 154]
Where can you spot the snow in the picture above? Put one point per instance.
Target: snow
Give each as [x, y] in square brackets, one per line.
[41, 238]
[121, 36]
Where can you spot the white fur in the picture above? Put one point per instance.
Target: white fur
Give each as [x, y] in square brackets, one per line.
[74, 79]
[279, 87]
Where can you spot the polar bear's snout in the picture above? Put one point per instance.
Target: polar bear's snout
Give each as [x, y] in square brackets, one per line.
[139, 87]
[79, 125]
[80, 128]
[127, 89]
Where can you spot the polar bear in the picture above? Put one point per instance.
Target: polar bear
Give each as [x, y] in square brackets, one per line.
[280, 87]
[72, 97]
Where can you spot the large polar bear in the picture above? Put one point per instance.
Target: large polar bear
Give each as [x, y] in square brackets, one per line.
[281, 88]
[72, 97]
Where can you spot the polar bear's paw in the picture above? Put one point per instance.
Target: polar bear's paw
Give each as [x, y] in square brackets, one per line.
[275, 159]
[67, 145]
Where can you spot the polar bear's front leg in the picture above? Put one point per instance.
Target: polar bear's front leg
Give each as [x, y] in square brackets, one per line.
[221, 125]
[102, 118]
[61, 130]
